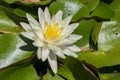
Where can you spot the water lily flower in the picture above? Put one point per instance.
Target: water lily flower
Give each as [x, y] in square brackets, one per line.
[53, 36]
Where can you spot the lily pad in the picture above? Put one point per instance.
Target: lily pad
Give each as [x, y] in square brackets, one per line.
[69, 7]
[109, 36]
[101, 59]
[77, 69]
[116, 7]
[49, 76]
[8, 21]
[108, 46]
[103, 10]
[85, 27]
[113, 76]
[28, 2]
[23, 72]
[66, 73]
[10, 51]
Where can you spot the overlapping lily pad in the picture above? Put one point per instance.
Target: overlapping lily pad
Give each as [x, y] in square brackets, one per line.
[85, 27]
[8, 21]
[108, 46]
[103, 10]
[77, 8]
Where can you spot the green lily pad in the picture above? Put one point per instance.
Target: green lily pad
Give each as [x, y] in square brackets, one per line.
[91, 4]
[77, 8]
[113, 76]
[48, 76]
[11, 1]
[10, 49]
[44, 2]
[108, 46]
[23, 72]
[66, 73]
[85, 27]
[8, 21]
[69, 7]
[109, 36]
[77, 69]
[101, 59]
[116, 7]
[22, 10]
[95, 32]
[103, 10]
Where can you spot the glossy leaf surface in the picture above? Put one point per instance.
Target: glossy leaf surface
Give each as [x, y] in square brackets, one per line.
[23, 72]
[10, 51]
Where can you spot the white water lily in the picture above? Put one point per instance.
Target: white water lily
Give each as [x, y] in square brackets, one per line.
[52, 36]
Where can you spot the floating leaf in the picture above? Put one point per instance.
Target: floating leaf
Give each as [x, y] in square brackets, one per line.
[11, 1]
[37, 3]
[66, 73]
[108, 46]
[10, 51]
[29, 2]
[100, 58]
[103, 10]
[109, 36]
[77, 69]
[113, 76]
[91, 4]
[69, 7]
[8, 21]
[84, 29]
[22, 10]
[48, 76]
[95, 32]
[116, 7]
[22, 72]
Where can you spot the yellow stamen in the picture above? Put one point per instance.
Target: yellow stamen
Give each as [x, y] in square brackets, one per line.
[52, 32]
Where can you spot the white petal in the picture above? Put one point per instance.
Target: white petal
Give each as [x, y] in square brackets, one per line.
[74, 37]
[47, 15]
[70, 40]
[74, 48]
[38, 43]
[25, 26]
[41, 17]
[35, 26]
[70, 53]
[64, 42]
[29, 35]
[66, 21]
[56, 50]
[52, 59]
[39, 53]
[39, 34]
[59, 16]
[45, 53]
[33, 23]
[69, 29]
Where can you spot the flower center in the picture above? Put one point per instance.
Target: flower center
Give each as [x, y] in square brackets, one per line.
[52, 32]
